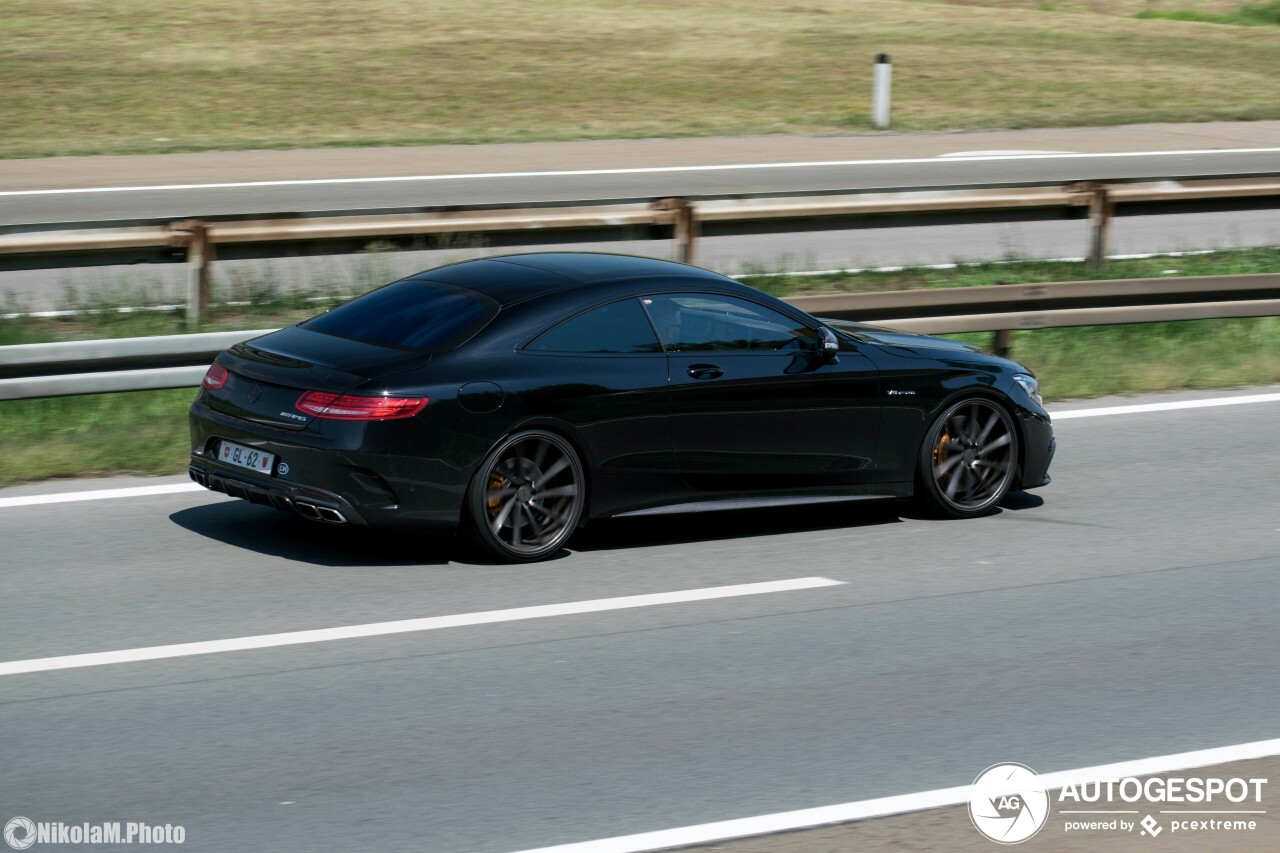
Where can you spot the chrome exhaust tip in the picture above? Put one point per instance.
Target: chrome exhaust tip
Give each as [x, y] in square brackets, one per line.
[331, 515]
[316, 512]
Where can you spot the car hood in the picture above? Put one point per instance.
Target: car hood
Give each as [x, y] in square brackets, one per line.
[897, 337]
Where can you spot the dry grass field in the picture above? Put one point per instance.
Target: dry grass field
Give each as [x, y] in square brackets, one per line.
[81, 76]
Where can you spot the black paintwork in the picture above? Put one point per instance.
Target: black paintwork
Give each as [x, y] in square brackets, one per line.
[769, 425]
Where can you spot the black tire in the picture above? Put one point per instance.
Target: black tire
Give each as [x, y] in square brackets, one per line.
[526, 498]
[968, 459]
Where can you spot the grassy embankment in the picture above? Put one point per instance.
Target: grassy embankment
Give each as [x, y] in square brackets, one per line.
[146, 432]
[144, 76]
[1264, 13]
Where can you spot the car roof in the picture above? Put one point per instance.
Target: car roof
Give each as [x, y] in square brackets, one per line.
[514, 278]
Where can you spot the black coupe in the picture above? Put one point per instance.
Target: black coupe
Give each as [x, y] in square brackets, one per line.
[516, 397]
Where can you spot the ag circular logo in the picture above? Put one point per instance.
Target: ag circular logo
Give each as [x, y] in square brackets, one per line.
[20, 833]
[1008, 804]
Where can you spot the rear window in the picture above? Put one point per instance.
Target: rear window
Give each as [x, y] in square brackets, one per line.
[409, 314]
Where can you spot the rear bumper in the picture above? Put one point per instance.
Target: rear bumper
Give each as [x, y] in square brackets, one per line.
[307, 501]
[335, 478]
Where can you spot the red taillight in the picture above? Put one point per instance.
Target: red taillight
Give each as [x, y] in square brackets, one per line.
[215, 377]
[348, 407]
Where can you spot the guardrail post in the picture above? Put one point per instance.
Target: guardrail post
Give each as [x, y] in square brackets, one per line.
[1101, 209]
[685, 222]
[199, 260]
[1002, 343]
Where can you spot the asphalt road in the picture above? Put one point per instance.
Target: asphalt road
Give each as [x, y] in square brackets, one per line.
[71, 188]
[75, 189]
[1127, 610]
[79, 207]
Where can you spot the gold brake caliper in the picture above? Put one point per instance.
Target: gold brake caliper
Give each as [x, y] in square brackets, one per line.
[942, 449]
[496, 482]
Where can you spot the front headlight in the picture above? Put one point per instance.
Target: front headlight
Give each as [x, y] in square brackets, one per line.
[1030, 385]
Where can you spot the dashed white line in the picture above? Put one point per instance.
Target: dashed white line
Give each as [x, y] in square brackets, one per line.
[883, 806]
[647, 170]
[406, 626]
[99, 494]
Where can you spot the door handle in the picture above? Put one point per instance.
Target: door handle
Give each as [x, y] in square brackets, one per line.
[705, 371]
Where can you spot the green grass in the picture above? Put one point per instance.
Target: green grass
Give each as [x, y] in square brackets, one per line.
[145, 76]
[1261, 14]
[138, 433]
[1100, 360]
[146, 432]
[1227, 262]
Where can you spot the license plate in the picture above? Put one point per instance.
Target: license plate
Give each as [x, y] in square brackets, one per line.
[246, 457]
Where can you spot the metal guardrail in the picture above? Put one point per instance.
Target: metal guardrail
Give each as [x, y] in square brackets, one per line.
[179, 361]
[197, 241]
[60, 369]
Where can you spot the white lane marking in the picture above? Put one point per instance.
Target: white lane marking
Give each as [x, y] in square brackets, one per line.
[405, 626]
[99, 494]
[884, 806]
[1142, 408]
[1011, 152]
[648, 170]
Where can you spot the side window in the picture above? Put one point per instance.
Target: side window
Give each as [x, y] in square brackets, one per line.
[691, 322]
[619, 327]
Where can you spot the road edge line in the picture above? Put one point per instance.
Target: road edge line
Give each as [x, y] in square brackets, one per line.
[727, 830]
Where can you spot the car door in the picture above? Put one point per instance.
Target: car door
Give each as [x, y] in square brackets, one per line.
[604, 372]
[754, 408]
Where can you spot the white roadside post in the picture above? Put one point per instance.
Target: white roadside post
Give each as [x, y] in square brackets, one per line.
[880, 91]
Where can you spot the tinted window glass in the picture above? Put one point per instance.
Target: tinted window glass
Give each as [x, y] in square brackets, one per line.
[707, 321]
[411, 314]
[619, 327]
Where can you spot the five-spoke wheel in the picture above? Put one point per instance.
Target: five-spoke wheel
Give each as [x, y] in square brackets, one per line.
[526, 498]
[968, 458]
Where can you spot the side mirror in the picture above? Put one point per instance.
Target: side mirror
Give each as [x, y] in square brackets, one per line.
[828, 346]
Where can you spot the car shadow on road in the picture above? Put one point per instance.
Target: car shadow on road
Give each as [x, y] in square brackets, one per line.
[277, 534]
[1017, 501]
[613, 533]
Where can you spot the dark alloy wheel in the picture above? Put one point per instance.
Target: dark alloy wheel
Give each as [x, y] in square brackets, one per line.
[526, 498]
[968, 458]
